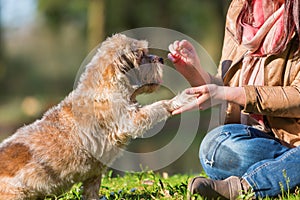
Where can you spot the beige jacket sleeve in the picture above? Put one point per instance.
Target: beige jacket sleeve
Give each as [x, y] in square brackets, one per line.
[275, 101]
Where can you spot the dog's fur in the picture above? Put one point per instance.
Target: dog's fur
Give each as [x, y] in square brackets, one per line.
[78, 138]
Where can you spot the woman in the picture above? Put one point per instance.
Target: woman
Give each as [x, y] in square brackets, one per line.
[259, 77]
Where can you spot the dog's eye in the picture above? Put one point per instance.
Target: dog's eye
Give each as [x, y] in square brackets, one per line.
[141, 54]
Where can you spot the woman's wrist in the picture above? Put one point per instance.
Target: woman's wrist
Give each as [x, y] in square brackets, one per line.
[201, 77]
[234, 95]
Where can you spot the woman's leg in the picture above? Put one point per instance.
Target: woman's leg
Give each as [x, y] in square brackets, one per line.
[273, 176]
[231, 149]
[238, 150]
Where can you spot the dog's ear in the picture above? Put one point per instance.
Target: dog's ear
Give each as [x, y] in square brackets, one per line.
[126, 63]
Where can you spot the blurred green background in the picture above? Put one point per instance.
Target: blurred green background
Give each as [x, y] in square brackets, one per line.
[43, 43]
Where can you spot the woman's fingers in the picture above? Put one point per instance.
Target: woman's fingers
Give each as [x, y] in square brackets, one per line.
[171, 48]
[184, 108]
[176, 45]
[184, 44]
[179, 47]
[197, 104]
[173, 57]
[197, 90]
[201, 102]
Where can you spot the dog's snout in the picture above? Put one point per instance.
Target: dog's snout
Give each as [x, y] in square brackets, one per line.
[155, 59]
[161, 60]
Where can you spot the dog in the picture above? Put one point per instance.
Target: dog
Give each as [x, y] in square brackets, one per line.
[76, 140]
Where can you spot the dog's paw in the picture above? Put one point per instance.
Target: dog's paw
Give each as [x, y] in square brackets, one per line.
[181, 100]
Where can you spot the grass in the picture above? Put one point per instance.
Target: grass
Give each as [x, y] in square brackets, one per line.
[148, 185]
[137, 185]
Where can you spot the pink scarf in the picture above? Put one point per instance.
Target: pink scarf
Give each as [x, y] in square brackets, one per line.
[260, 37]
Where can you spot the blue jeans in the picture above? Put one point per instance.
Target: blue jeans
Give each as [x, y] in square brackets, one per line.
[240, 150]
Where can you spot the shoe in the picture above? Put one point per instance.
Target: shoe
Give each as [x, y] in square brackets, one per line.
[229, 188]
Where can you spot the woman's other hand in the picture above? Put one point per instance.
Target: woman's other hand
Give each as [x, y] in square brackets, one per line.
[186, 61]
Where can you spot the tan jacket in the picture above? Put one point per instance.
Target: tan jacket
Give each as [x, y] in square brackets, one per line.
[279, 98]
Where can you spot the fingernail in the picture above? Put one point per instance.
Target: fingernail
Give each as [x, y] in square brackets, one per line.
[188, 91]
[170, 57]
[175, 58]
[175, 112]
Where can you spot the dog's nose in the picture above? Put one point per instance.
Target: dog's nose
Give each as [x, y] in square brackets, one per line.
[161, 60]
[156, 59]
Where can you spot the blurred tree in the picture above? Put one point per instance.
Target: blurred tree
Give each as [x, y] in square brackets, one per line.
[2, 67]
[222, 6]
[96, 20]
[0, 31]
[57, 12]
[89, 13]
[198, 19]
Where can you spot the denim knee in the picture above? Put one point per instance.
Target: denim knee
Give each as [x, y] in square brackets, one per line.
[231, 149]
[215, 161]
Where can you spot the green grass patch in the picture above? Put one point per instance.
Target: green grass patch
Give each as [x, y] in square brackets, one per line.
[149, 185]
[137, 185]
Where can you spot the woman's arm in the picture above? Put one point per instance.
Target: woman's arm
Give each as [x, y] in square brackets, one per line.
[211, 94]
[275, 101]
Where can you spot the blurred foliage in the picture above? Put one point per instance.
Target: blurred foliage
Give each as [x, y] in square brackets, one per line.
[57, 11]
[196, 18]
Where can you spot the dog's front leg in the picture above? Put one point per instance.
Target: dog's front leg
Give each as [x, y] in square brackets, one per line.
[149, 115]
[91, 188]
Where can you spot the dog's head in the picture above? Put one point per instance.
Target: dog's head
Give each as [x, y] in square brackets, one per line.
[120, 70]
[128, 63]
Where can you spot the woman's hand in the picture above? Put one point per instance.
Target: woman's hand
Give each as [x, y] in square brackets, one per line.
[186, 61]
[211, 95]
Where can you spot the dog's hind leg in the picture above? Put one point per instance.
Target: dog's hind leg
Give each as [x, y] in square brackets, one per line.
[91, 188]
[9, 192]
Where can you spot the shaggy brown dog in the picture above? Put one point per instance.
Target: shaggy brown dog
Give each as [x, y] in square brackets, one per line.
[78, 138]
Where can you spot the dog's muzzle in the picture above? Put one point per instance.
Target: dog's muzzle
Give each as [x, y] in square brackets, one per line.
[156, 59]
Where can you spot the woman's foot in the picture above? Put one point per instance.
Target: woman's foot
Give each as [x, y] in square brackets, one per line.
[229, 188]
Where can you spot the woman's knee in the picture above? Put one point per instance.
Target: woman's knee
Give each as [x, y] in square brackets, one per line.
[219, 135]
[231, 149]
[221, 151]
